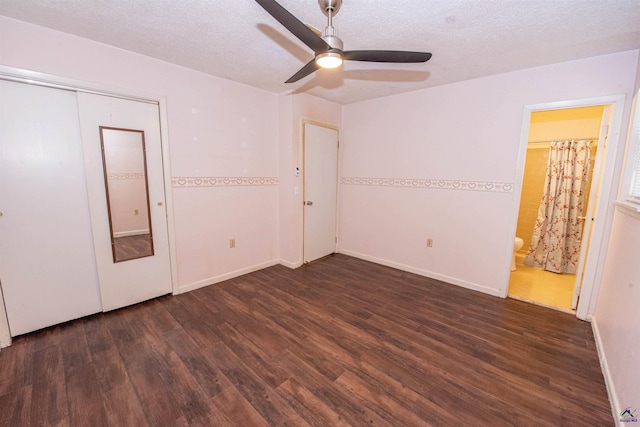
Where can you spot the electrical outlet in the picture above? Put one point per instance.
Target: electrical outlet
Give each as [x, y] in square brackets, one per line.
[429, 243]
[232, 243]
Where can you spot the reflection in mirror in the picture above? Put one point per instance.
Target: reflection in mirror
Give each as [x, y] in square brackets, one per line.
[125, 171]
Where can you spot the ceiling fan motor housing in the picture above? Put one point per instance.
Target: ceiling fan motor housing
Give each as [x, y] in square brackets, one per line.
[332, 39]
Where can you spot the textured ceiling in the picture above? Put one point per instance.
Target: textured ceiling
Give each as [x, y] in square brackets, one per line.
[238, 40]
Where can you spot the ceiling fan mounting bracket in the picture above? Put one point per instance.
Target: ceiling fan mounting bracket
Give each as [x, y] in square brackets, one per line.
[330, 5]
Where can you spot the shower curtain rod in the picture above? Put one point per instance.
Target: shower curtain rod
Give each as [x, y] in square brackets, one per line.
[564, 139]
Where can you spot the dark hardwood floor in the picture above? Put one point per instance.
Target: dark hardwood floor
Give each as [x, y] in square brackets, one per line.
[339, 342]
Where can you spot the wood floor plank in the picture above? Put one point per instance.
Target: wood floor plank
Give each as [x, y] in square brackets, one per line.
[75, 349]
[16, 365]
[378, 401]
[97, 332]
[253, 357]
[46, 337]
[84, 397]
[236, 408]
[191, 400]
[340, 341]
[155, 338]
[15, 407]
[109, 369]
[123, 407]
[427, 410]
[143, 368]
[48, 393]
[350, 408]
[274, 409]
[309, 406]
[205, 373]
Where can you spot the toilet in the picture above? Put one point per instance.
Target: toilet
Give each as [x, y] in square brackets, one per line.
[517, 245]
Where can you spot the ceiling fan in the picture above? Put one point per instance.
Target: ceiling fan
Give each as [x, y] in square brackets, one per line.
[327, 46]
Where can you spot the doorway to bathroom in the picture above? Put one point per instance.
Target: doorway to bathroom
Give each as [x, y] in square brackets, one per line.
[562, 176]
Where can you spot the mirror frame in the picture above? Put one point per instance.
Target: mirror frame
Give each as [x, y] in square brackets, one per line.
[146, 187]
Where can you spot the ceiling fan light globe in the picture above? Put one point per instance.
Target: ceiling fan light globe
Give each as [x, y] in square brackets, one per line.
[329, 60]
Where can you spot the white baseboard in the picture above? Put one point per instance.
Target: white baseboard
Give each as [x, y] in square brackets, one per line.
[426, 273]
[130, 233]
[226, 276]
[291, 265]
[608, 380]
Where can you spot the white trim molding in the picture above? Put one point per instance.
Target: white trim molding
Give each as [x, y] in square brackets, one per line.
[222, 277]
[5, 333]
[424, 273]
[606, 372]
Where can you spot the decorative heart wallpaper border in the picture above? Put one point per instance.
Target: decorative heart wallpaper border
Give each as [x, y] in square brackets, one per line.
[126, 175]
[436, 184]
[224, 181]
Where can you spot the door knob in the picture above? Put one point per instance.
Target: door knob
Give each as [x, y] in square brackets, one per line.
[309, 203]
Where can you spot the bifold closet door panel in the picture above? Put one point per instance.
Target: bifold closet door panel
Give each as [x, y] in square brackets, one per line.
[47, 262]
[123, 152]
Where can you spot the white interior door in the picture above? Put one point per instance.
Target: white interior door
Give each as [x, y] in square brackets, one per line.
[320, 191]
[47, 263]
[594, 192]
[130, 281]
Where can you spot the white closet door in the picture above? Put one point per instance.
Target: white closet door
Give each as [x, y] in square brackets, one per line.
[47, 263]
[126, 282]
[320, 191]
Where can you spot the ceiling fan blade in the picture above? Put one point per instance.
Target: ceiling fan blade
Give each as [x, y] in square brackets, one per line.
[304, 71]
[297, 28]
[386, 56]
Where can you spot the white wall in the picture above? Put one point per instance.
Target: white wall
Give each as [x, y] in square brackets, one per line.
[456, 147]
[617, 317]
[217, 129]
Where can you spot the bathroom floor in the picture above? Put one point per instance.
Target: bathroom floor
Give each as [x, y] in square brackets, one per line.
[542, 287]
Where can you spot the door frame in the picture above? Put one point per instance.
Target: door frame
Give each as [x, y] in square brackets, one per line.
[594, 260]
[302, 161]
[54, 81]
[5, 334]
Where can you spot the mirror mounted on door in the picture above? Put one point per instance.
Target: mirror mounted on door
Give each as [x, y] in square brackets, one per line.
[127, 189]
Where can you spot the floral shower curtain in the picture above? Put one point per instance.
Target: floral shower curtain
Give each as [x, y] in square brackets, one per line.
[557, 234]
